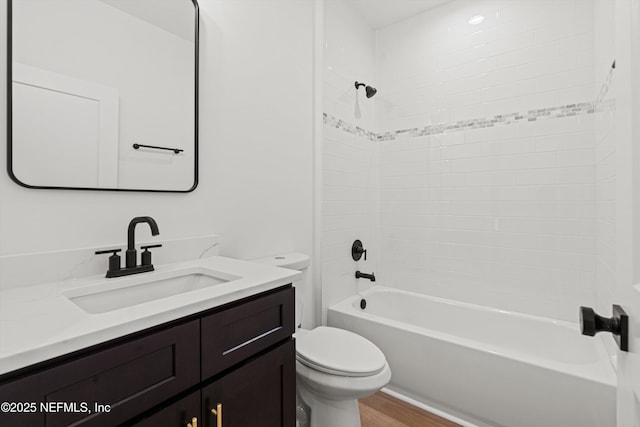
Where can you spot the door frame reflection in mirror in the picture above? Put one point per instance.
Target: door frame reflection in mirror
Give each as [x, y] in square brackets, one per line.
[9, 104]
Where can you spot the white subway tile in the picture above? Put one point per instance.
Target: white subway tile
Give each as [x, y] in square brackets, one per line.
[346, 179]
[481, 208]
[509, 90]
[468, 112]
[456, 193]
[455, 180]
[490, 134]
[405, 181]
[338, 193]
[545, 66]
[460, 57]
[451, 138]
[571, 95]
[509, 42]
[526, 55]
[578, 42]
[413, 168]
[460, 151]
[565, 141]
[474, 68]
[544, 209]
[576, 227]
[548, 127]
[571, 175]
[511, 146]
[529, 15]
[491, 178]
[461, 99]
[581, 157]
[470, 165]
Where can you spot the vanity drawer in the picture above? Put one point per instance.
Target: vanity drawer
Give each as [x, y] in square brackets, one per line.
[129, 377]
[232, 335]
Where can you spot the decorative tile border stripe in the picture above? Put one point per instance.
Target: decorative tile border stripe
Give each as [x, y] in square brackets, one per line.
[600, 104]
[498, 120]
[347, 127]
[461, 125]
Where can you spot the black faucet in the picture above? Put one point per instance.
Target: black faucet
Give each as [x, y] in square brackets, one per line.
[131, 255]
[371, 276]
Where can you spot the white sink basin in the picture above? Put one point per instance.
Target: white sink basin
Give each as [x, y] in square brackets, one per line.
[108, 296]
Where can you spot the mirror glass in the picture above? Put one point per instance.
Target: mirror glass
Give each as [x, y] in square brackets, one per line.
[103, 94]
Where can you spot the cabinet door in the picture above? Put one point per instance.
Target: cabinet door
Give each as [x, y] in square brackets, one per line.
[130, 378]
[179, 414]
[259, 393]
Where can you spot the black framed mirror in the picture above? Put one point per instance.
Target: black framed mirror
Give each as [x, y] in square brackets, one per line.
[103, 94]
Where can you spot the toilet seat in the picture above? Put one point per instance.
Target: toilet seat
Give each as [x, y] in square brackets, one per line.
[339, 352]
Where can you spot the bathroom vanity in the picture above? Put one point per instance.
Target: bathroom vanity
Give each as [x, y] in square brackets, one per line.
[231, 364]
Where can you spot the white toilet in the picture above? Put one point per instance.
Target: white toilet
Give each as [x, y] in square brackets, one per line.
[334, 367]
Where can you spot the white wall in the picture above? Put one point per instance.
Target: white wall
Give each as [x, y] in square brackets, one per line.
[349, 199]
[255, 142]
[257, 125]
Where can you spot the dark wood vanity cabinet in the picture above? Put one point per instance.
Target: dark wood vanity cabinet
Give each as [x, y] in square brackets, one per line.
[240, 356]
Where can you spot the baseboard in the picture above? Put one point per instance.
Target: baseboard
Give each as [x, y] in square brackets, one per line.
[435, 411]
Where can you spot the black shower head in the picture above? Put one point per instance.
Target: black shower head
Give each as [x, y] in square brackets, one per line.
[368, 89]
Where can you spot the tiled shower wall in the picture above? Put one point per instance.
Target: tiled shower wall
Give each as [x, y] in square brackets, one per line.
[502, 215]
[349, 192]
[525, 55]
[485, 137]
[507, 221]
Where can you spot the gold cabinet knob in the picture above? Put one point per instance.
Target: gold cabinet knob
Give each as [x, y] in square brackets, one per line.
[218, 413]
[193, 423]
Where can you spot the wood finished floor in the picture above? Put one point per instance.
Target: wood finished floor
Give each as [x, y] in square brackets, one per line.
[382, 410]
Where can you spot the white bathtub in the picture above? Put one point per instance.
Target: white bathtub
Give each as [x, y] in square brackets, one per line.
[486, 366]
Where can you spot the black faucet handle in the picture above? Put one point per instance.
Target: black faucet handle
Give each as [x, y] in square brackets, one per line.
[146, 255]
[108, 251]
[114, 260]
[151, 246]
[357, 250]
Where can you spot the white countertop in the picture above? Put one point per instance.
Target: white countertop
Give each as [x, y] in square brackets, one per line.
[39, 322]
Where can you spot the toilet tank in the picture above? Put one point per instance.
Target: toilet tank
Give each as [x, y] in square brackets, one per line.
[294, 261]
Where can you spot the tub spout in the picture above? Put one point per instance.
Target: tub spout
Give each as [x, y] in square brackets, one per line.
[371, 276]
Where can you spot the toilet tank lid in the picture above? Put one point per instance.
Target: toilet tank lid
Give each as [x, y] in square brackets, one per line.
[291, 260]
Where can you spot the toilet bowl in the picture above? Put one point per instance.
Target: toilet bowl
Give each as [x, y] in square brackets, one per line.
[334, 367]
